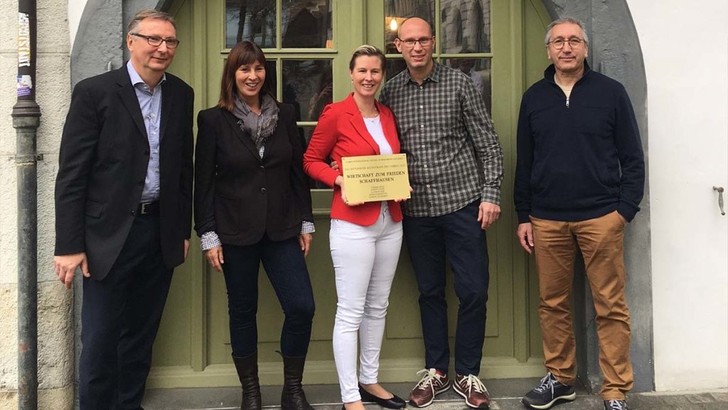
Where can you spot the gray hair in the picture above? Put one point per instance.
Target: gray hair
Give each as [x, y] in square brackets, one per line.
[149, 14]
[565, 20]
[367, 50]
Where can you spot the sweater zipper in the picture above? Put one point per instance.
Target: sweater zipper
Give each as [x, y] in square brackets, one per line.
[567, 102]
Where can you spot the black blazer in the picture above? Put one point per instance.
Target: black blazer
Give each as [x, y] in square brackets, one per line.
[103, 162]
[240, 196]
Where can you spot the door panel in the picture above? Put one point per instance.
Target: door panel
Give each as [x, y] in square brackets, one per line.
[193, 344]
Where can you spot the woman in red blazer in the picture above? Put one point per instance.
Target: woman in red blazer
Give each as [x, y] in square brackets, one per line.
[365, 238]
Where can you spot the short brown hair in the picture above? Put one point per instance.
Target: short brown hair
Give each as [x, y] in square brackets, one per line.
[245, 52]
[149, 14]
[367, 50]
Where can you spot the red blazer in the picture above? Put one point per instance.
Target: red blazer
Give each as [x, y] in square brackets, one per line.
[341, 133]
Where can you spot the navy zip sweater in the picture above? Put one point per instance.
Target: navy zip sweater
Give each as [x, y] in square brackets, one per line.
[578, 158]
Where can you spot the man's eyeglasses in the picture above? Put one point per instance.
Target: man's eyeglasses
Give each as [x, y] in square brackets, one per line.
[573, 42]
[424, 42]
[155, 41]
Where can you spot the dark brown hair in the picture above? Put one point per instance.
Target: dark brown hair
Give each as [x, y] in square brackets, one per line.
[243, 53]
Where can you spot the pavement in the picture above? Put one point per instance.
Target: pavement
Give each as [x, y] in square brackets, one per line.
[505, 393]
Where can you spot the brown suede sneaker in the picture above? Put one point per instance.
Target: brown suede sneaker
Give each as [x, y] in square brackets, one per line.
[473, 391]
[431, 384]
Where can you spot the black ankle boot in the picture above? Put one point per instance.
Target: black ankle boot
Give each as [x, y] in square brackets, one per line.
[247, 368]
[293, 397]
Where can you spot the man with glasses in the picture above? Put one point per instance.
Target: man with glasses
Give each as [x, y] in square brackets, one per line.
[579, 180]
[455, 168]
[123, 208]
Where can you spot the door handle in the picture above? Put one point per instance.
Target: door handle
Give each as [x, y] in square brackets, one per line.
[720, 198]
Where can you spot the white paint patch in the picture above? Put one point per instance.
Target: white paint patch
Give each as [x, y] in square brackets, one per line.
[687, 102]
[75, 11]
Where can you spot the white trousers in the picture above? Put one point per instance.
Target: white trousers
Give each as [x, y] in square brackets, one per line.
[365, 259]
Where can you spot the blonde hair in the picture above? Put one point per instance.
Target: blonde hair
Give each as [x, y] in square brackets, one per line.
[367, 50]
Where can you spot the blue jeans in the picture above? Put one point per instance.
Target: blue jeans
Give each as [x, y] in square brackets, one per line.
[458, 237]
[286, 269]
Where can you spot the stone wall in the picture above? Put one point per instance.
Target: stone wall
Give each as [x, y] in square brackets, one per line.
[55, 324]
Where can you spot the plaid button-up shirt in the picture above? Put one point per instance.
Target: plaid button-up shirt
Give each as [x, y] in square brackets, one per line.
[453, 154]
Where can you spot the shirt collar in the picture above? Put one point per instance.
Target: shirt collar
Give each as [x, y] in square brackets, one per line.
[434, 75]
[550, 72]
[136, 79]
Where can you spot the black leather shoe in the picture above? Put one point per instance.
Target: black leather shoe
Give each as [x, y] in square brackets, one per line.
[394, 402]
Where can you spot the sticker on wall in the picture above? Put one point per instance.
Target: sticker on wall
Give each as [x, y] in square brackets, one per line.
[23, 40]
[24, 85]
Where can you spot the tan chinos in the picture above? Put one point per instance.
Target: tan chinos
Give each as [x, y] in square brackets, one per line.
[601, 241]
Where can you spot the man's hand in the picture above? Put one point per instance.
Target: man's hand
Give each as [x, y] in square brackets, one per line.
[487, 214]
[214, 256]
[187, 247]
[65, 267]
[304, 240]
[525, 236]
[404, 199]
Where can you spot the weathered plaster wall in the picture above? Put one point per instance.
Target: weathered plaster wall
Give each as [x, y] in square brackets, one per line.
[8, 264]
[99, 40]
[55, 324]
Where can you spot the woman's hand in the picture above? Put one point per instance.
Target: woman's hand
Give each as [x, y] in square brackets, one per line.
[304, 240]
[214, 256]
[340, 182]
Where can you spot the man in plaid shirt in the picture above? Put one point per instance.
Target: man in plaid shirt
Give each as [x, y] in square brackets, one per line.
[455, 168]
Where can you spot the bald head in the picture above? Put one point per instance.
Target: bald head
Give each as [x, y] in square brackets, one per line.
[416, 43]
[414, 23]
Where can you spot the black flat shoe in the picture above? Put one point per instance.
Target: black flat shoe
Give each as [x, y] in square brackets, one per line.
[394, 402]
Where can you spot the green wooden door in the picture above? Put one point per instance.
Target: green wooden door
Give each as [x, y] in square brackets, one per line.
[308, 44]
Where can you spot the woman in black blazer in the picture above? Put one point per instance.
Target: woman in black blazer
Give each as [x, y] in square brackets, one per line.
[253, 205]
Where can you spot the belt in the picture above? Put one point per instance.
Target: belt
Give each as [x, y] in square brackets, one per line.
[148, 208]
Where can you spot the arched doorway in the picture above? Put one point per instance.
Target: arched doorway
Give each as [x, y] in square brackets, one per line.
[308, 44]
[191, 350]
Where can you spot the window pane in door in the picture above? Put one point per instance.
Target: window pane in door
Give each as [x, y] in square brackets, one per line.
[307, 84]
[306, 24]
[396, 11]
[306, 133]
[465, 26]
[478, 69]
[253, 20]
[394, 66]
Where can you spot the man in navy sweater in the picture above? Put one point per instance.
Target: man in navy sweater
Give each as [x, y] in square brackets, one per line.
[579, 180]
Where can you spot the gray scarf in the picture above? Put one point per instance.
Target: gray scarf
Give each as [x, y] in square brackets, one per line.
[259, 127]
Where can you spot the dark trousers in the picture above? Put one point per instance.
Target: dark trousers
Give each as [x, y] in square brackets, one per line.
[120, 318]
[285, 266]
[458, 237]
